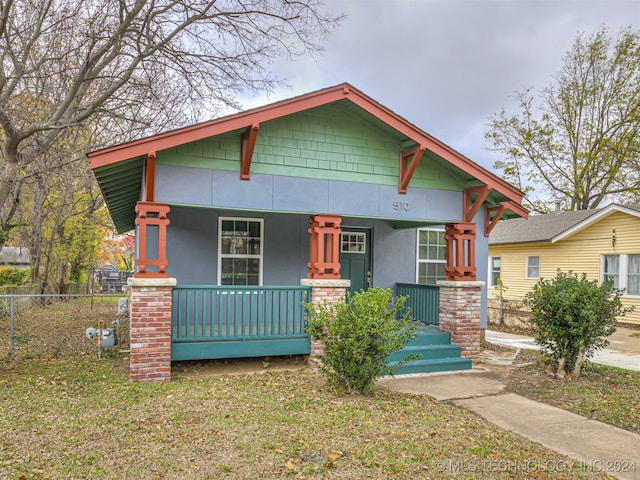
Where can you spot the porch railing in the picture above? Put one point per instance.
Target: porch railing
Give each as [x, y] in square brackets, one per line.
[231, 313]
[424, 301]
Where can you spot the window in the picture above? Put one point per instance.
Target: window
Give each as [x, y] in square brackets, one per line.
[353, 242]
[494, 270]
[623, 270]
[533, 267]
[611, 271]
[240, 251]
[633, 275]
[432, 256]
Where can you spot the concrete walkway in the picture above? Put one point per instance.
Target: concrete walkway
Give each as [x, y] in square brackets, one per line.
[623, 351]
[482, 390]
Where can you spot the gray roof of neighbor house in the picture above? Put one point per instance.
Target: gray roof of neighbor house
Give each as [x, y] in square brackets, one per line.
[547, 228]
[15, 256]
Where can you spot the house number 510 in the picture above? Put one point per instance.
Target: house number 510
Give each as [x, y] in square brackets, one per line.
[401, 206]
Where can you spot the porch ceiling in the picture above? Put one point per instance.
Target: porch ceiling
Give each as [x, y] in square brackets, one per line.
[121, 185]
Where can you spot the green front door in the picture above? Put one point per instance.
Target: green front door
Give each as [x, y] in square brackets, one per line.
[355, 258]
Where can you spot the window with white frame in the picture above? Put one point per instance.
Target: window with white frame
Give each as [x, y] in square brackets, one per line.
[494, 271]
[623, 270]
[611, 269]
[533, 267]
[633, 275]
[240, 251]
[432, 256]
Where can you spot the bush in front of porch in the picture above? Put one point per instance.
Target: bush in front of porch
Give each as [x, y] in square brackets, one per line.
[358, 336]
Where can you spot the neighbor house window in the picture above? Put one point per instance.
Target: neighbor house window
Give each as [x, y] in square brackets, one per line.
[624, 271]
[633, 275]
[432, 255]
[494, 271]
[240, 243]
[533, 267]
[611, 270]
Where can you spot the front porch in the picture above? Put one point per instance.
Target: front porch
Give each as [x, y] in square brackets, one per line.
[216, 322]
[213, 322]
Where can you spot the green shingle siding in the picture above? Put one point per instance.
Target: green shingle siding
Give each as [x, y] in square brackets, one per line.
[327, 143]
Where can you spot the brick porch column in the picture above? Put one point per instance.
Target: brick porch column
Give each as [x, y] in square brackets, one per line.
[329, 291]
[150, 329]
[460, 314]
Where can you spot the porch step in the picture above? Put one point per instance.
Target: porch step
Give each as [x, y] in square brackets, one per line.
[428, 352]
[438, 354]
[434, 365]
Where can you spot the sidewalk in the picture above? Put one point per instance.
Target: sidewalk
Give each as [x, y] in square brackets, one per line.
[623, 352]
[600, 446]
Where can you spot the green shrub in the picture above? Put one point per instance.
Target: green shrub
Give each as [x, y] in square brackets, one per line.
[358, 336]
[573, 317]
[14, 276]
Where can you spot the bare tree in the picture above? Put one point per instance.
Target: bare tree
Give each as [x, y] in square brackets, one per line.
[131, 67]
[581, 142]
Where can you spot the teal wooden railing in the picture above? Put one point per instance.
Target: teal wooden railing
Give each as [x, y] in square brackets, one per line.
[424, 301]
[231, 312]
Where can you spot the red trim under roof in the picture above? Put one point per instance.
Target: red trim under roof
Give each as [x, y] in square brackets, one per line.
[290, 106]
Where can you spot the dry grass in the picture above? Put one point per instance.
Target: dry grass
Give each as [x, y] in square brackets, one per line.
[607, 394]
[73, 416]
[55, 330]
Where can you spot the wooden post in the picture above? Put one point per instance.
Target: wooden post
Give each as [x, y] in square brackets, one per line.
[324, 247]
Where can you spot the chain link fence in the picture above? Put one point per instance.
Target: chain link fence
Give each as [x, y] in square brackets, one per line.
[54, 326]
[502, 312]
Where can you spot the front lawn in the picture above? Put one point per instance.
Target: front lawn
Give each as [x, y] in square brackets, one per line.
[80, 417]
[607, 394]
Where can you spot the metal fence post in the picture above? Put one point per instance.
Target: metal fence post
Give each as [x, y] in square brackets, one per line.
[13, 327]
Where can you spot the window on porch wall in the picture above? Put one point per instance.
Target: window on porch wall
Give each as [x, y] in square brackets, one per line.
[432, 257]
[240, 243]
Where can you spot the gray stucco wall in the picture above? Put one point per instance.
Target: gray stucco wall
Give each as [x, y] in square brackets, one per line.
[285, 208]
[192, 247]
[269, 193]
[193, 252]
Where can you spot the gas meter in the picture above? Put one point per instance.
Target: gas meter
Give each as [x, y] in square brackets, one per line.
[107, 337]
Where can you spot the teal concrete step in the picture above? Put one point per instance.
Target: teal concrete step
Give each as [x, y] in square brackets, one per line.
[434, 365]
[431, 336]
[427, 351]
[437, 353]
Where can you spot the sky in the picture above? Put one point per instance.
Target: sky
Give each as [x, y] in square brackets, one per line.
[447, 66]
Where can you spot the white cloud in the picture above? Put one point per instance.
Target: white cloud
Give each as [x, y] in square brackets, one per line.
[448, 65]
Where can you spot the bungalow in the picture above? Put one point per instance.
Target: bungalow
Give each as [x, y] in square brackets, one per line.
[603, 243]
[241, 218]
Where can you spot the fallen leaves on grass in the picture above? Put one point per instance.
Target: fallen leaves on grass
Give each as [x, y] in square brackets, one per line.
[603, 393]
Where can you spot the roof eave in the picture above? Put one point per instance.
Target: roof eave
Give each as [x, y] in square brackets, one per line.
[595, 217]
[343, 91]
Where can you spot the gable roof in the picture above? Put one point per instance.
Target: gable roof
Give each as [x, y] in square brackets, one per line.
[553, 227]
[119, 168]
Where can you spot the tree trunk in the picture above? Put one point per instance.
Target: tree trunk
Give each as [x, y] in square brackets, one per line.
[562, 367]
[577, 368]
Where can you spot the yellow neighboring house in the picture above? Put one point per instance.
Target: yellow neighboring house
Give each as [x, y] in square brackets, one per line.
[603, 243]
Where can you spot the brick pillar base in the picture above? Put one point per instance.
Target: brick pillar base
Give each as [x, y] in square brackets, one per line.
[460, 314]
[329, 291]
[150, 329]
